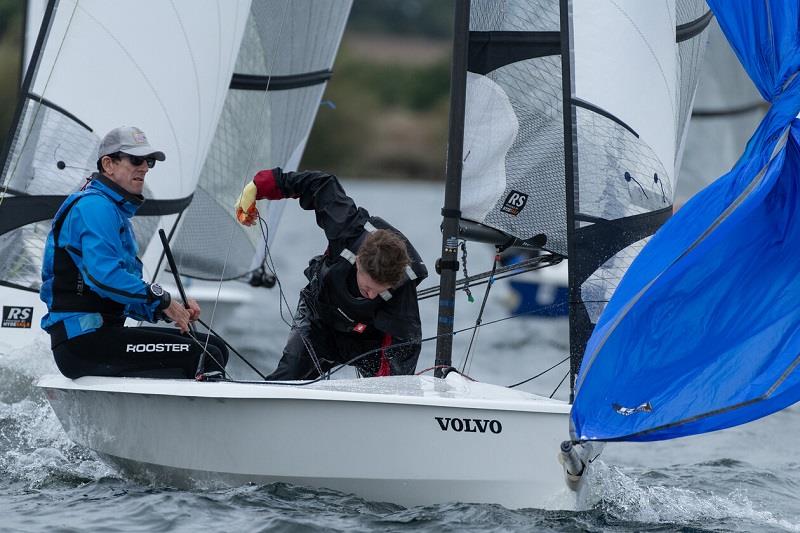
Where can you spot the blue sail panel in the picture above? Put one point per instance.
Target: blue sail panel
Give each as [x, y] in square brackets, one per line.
[703, 332]
[715, 339]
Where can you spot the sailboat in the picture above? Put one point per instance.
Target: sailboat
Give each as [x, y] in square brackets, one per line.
[553, 152]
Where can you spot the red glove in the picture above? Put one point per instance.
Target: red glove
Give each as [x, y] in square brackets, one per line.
[262, 187]
[266, 186]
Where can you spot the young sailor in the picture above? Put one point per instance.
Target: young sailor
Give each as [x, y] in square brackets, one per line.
[92, 279]
[362, 292]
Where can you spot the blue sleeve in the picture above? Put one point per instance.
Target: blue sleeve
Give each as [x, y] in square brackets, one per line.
[94, 242]
[142, 311]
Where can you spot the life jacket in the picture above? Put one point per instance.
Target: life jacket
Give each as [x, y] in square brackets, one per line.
[70, 291]
[329, 298]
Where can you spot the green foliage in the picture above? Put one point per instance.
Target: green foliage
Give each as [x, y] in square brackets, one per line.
[430, 18]
[11, 20]
[10, 14]
[418, 88]
[390, 119]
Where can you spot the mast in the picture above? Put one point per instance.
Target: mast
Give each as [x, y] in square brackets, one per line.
[577, 341]
[27, 80]
[451, 212]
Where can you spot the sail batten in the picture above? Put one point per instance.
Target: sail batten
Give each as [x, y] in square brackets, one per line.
[270, 105]
[575, 115]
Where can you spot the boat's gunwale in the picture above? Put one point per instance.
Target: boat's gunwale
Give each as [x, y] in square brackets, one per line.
[458, 397]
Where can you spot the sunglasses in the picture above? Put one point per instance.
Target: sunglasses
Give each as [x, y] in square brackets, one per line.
[136, 160]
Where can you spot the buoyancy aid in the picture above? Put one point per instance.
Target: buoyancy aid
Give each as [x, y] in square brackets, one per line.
[335, 306]
[69, 290]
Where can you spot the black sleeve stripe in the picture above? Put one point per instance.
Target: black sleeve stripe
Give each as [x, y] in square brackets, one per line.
[75, 251]
[113, 290]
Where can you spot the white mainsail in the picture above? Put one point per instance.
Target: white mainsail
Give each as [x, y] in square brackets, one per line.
[96, 69]
[578, 143]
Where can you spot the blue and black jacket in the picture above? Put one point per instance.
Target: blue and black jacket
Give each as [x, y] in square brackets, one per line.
[91, 273]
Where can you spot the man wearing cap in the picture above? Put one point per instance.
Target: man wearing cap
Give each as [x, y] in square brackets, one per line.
[92, 279]
[360, 305]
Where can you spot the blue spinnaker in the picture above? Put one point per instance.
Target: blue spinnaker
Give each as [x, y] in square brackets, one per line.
[703, 332]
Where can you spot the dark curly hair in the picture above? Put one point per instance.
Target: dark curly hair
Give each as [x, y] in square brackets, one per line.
[384, 257]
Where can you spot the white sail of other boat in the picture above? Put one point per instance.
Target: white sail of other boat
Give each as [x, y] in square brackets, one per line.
[271, 104]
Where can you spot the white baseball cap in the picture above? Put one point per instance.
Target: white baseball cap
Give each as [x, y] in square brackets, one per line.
[130, 140]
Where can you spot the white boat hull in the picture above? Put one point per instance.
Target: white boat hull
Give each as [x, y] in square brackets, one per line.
[385, 439]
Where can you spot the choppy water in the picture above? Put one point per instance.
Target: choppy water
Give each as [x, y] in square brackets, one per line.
[746, 479]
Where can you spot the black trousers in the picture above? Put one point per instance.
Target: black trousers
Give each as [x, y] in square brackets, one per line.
[138, 352]
[330, 348]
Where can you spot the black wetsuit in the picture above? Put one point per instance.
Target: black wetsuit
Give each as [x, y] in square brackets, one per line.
[332, 318]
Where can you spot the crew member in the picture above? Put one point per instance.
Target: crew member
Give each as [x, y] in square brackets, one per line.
[361, 296]
[92, 280]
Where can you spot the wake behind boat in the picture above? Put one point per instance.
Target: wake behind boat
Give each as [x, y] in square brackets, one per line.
[412, 440]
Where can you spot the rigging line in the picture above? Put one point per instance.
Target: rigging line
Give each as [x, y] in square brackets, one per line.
[509, 270]
[478, 320]
[559, 384]
[434, 367]
[268, 257]
[38, 107]
[234, 350]
[191, 335]
[542, 373]
[253, 145]
[282, 297]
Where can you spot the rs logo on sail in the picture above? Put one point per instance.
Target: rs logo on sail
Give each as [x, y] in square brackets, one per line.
[515, 203]
[469, 425]
[17, 317]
